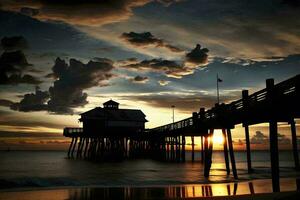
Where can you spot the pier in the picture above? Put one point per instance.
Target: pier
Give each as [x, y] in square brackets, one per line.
[273, 104]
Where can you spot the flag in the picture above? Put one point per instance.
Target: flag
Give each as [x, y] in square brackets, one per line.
[220, 80]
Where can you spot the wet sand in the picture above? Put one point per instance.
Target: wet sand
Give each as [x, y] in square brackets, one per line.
[256, 189]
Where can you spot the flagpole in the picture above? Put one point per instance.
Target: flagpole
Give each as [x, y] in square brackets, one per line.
[218, 97]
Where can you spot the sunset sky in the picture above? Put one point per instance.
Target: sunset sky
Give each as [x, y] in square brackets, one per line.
[59, 58]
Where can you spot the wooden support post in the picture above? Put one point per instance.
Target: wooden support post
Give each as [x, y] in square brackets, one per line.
[210, 147]
[183, 148]
[273, 132]
[226, 152]
[248, 149]
[274, 155]
[206, 155]
[228, 190]
[71, 145]
[298, 184]
[251, 188]
[235, 187]
[172, 149]
[232, 159]
[79, 147]
[178, 153]
[193, 149]
[74, 146]
[295, 145]
[86, 147]
[168, 149]
[82, 146]
[245, 98]
[202, 149]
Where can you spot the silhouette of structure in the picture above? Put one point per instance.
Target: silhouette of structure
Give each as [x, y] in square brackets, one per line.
[106, 131]
[275, 103]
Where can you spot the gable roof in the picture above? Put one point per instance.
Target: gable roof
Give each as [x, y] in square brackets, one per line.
[111, 102]
[114, 115]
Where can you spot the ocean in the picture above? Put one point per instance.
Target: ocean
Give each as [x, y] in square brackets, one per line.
[38, 169]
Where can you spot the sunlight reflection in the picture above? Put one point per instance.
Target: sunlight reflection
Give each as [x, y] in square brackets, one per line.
[154, 192]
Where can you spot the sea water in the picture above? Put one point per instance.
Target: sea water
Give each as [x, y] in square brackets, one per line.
[28, 169]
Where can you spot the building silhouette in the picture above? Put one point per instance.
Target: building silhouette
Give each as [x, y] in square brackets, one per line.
[112, 121]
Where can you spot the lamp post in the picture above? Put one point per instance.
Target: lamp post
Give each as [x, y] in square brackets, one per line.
[173, 110]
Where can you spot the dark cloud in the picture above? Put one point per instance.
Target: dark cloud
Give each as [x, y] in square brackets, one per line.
[259, 138]
[89, 12]
[282, 139]
[196, 58]
[67, 91]
[12, 67]
[14, 61]
[14, 43]
[127, 61]
[198, 55]
[29, 11]
[147, 39]
[104, 60]
[170, 68]
[19, 79]
[12, 134]
[139, 79]
[5, 102]
[32, 102]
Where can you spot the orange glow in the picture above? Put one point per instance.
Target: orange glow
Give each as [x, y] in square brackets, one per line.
[218, 138]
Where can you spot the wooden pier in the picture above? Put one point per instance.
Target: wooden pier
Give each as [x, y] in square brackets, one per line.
[276, 103]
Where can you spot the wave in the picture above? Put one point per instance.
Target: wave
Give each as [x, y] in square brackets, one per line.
[37, 182]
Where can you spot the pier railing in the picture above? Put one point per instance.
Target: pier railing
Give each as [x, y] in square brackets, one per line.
[71, 131]
[238, 107]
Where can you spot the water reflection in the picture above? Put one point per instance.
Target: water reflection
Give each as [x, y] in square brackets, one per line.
[158, 192]
[186, 191]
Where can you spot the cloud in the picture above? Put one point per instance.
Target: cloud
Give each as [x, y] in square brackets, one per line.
[14, 61]
[5, 103]
[29, 11]
[14, 43]
[163, 82]
[176, 69]
[67, 91]
[259, 138]
[89, 12]
[282, 139]
[168, 67]
[12, 134]
[32, 102]
[185, 102]
[139, 79]
[198, 56]
[147, 39]
[13, 64]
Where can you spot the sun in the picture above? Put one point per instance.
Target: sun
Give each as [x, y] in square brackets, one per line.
[218, 137]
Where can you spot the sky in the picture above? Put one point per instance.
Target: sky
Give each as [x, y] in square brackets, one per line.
[59, 58]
